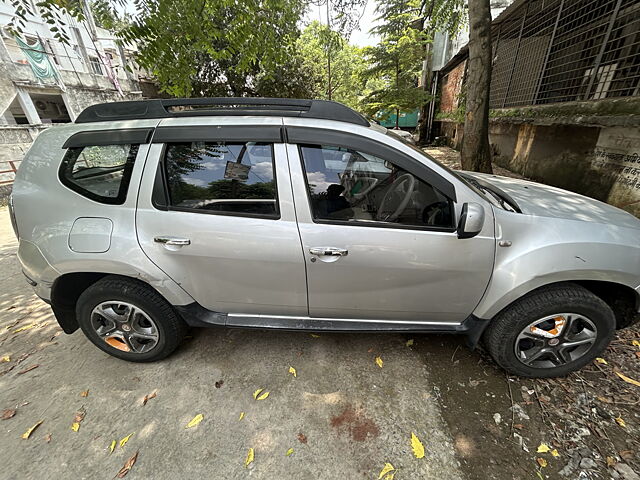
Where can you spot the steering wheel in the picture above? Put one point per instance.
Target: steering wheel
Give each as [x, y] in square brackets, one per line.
[401, 187]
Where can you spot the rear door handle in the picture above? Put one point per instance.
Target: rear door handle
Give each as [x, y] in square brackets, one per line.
[175, 241]
[329, 251]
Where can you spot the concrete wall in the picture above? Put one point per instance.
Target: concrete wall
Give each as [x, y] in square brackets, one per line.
[600, 162]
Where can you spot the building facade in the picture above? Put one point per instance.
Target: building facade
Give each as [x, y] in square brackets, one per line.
[565, 96]
[45, 82]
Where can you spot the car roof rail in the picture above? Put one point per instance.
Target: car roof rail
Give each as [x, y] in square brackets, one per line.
[220, 106]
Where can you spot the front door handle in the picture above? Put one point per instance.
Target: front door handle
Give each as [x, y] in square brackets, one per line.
[329, 251]
[174, 241]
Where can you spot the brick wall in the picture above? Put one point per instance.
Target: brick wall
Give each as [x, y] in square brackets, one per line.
[450, 90]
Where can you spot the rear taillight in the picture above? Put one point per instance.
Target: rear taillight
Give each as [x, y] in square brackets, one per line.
[12, 214]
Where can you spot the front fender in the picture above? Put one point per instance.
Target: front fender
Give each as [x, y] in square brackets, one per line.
[549, 250]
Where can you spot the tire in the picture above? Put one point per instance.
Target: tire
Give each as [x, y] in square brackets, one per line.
[584, 313]
[136, 310]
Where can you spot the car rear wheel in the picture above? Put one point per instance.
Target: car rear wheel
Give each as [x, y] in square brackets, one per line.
[129, 320]
[550, 332]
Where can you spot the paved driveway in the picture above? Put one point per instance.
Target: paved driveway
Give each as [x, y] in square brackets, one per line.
[343, 415]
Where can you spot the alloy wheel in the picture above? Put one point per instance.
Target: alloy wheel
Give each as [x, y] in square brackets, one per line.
[555, 340]
[125, 326]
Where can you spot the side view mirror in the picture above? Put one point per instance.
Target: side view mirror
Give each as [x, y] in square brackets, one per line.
[471, 220]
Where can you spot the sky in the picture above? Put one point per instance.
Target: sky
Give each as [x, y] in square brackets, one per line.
[360, 37]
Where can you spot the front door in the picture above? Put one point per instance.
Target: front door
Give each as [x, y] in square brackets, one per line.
[380, 243]
[224, 227]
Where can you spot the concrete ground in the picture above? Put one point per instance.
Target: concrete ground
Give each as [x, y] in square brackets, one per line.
[343, 415]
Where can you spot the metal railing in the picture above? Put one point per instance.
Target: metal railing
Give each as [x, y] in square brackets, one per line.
[550, 51]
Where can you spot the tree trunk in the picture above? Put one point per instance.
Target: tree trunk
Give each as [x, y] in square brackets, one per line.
[476, 152]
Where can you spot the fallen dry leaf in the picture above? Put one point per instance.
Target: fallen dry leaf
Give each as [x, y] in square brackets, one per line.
[124, 440]
[611, 462]
[26, 327]
[601, 360]
[79, 416]
[47, 438]
[542, 462]
[315, 335]
[621, 422]
[28, 433]
[5, 359]
[128, 465]
[543, 448]
[555, 453]
[195, 421]
[250, 457]
[219, 383]
[379, 362]
[289, 452]
[409, 342]
[241, 416]
[302, 438]
[416, 446]
[28, 369]
[8, 413]
[263, 396]
[257, 392]
[627, 454]
[84, 393]
[147, 398]
[628, 380]
[75, 426]
[635, 343]
[293, 372]
[112, 447]
[519, 426]
[386, 469]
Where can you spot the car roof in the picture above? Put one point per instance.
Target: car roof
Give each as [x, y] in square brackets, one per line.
[221, 106]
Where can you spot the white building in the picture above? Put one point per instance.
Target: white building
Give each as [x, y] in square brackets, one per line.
[43, 81]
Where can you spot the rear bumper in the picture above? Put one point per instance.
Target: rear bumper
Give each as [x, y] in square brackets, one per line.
[36, 269]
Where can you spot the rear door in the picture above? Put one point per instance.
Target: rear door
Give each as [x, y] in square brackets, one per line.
[215, 212]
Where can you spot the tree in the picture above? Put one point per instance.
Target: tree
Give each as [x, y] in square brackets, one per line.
[476, 152]
[205, 47]
[347, 64]
[396, 60]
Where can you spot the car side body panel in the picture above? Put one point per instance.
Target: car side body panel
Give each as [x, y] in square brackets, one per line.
[45, 227]
[546, 250]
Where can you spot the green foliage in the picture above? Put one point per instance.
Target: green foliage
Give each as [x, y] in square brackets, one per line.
[444, 15]
[396, 62]
[106, 16]
[347, 64]
[214, 47]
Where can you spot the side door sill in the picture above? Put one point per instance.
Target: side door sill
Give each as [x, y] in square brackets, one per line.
[197, 316]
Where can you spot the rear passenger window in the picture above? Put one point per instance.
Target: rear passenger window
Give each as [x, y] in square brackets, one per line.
[101, 173]
[219, 177]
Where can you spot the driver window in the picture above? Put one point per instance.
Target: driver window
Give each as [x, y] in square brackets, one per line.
[347, 185]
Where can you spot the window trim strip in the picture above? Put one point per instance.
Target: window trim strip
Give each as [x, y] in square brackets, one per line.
[226, 133]
[101, 138]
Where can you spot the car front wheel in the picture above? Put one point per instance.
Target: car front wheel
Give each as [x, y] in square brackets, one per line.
[551, 332]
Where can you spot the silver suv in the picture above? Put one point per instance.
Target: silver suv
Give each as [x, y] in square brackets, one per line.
[146, 217]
